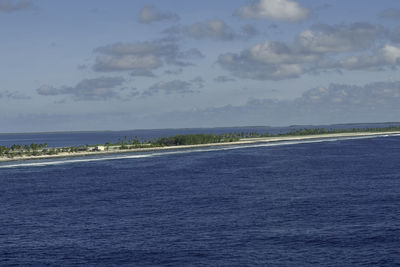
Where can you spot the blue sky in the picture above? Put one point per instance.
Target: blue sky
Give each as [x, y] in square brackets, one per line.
[102, 65]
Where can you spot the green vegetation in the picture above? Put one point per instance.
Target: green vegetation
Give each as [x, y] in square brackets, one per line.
[177, 140]
[18, 150]
[195, 139]
[306, 131]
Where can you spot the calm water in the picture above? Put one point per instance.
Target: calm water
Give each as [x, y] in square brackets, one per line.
[331, 203]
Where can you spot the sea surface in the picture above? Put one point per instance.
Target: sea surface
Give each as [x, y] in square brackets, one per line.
[329, 202]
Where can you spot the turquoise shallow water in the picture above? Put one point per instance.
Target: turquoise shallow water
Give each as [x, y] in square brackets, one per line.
[323, 203]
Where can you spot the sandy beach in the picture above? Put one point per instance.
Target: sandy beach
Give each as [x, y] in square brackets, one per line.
[240, 142]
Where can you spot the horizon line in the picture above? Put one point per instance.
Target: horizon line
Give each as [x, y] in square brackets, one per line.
[188, 128]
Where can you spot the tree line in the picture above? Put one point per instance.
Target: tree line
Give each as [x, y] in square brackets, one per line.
[176, 140]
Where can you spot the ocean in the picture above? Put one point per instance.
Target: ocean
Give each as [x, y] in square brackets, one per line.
[324, 203]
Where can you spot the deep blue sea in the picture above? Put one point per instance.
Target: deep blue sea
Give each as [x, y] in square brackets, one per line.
[325, 203]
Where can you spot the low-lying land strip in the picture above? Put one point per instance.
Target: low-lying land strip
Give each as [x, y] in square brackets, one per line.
[41, 151]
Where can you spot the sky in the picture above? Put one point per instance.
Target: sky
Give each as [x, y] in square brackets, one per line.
[150, 64]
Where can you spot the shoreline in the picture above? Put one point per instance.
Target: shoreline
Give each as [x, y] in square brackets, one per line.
[240, 142]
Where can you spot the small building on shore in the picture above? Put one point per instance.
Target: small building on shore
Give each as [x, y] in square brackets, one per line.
[99, 148]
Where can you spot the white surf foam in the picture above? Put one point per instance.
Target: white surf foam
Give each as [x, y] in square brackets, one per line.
[41, 163]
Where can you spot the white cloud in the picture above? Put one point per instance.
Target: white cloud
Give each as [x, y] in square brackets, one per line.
[214, 29]
[277, 53]
[171, 87]
[268, 61]
[142, 73]
[386, 56]
[322, 48]
[141, 56]
[47, 90]
[391, 53]
[278, 61]
[286, 10]
[126, 62]
[15, 95]
[339, 38]
[336, 103]
[102, 88]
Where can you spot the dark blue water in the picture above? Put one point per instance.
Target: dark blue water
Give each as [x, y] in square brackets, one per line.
[327, 204]
[61, 139]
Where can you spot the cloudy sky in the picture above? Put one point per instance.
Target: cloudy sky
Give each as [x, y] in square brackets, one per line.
[102, 65]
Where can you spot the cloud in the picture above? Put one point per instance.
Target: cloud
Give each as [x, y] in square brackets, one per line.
[9, 6]
[175, 87]
[349, 103]
[249, 31]
[193, 53]
[15, 95]
[278, 61]
[198, 82]
[324, 38]
[102, 88]
[285, 10]
[371, 96]
[130, 93]
[150, 14]
[82, 67]
[349, 96]
[48, 90]
[395, 35]
[173, 72]
[223, 79]
[279, 53]
[213, 29]
[323, 48]
[124, 56]
[386, 56]
[267, 61]
[142, 73]
[172, 31]
[140, 56]
[336, 103]
[391, 13]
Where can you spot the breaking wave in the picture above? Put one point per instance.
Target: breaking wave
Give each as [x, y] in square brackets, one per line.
[137, 155]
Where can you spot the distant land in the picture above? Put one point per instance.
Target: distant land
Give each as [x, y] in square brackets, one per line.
[311, 126]
[18, 152]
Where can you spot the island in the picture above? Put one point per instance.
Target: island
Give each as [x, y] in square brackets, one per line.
[18, 152]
